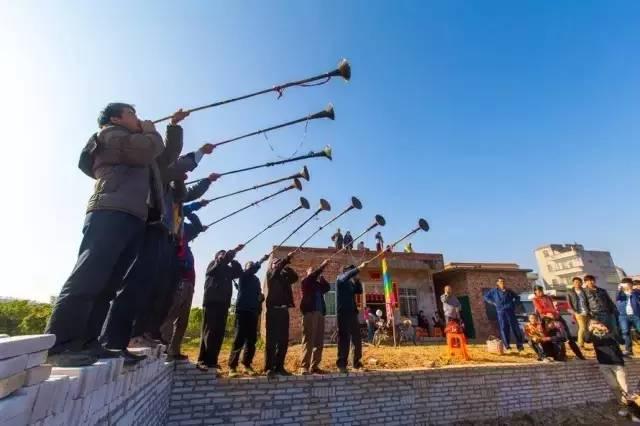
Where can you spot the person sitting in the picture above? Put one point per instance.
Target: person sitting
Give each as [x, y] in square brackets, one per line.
[542, 342]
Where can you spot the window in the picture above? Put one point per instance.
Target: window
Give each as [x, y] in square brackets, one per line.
[550, 268]
[545, 253]
[408, 302]
[330, 300]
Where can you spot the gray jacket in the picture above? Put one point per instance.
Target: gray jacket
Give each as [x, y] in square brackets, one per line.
[130, 170]
[450, 306]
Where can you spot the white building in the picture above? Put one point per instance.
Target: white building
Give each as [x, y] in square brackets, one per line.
[559, 263]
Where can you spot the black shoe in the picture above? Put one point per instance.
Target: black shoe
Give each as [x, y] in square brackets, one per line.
[202, 366]
[271, 374]
[101, 352]
[131, 358]
[72, 358]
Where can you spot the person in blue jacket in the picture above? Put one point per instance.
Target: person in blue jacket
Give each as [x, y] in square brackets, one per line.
[628, 304]
[505, 301]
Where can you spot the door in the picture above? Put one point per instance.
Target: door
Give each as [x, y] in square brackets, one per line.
[467, 318]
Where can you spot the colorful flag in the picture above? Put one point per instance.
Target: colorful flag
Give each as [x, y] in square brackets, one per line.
[388, 289]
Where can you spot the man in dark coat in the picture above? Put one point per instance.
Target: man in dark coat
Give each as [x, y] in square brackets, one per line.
[280, 278]
[218, 289]
[601, 307]
[313, 309]
[347, 286]
[248, 303]
[337, 239]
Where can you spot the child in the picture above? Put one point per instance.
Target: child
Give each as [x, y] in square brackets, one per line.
[544, 340]
[611, 362]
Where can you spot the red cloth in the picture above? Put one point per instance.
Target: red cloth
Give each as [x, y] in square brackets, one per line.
[544, 306]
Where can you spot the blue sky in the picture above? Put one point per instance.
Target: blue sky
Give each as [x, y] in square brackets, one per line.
[507, 125]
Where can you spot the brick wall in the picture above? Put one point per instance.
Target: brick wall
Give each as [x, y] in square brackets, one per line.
[471, 283]
[408, 269]
[435, 396]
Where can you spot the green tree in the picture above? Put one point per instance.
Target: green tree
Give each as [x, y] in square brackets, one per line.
[23, 317]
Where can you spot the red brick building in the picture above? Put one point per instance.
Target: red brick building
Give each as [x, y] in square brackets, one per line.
[469, 282]
[412, 274]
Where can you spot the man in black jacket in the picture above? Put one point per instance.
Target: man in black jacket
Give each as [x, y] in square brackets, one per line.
[347, 286]
[601, 307]
[248, 303]
[218, 288]
[280, 278]
[313, 309]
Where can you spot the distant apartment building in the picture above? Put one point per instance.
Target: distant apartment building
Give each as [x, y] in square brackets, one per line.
[559, 263]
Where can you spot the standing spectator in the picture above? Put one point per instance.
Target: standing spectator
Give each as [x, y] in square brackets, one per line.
[175, 324]
[450, 305]
[610, 360]
[313, 309]
[347, 286]
[361, 246]
[348, 241]
[408, 248]
[120, 157]
[601, 307]
[379, 241]
[577, 299]
[337, 239]
[628, 304]
[246, 328]
[280, 278]
[218, 289]
[505, 301]
[636, 284]
[545, 307]
[371, 320]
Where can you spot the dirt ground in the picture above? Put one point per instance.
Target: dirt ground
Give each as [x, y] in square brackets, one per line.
[385, 357]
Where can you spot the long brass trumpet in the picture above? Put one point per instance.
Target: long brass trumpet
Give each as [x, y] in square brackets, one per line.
[343, 70]
[324, 206]
[379, 221]
[328, 112]
[302, 174]
[295, 185]
[326, 152]
[355, 204]
[422, 225]
[304, 204]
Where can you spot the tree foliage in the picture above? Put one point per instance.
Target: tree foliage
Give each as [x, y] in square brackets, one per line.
[19, 317]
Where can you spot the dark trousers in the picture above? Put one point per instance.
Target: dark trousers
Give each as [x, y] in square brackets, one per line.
[626, 322]
[277, 338]
[349, 334]
[572, 343]
[175, 325]
[246, 334]
[109, 245]
[507, 323]
[136, 295]
[214, 321]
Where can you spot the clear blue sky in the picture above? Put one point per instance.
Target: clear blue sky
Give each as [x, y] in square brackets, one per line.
[507, 125]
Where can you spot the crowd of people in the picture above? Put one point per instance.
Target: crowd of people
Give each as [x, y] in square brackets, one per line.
[133, 282]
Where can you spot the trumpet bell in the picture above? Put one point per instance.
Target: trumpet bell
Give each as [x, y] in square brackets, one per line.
[304, 203]
[327, 152]
[304, 173]
[355, 203]
[297, 184]
[343, 70]
[324, 205]
[423, 224]
[380, 220]
[329, 112]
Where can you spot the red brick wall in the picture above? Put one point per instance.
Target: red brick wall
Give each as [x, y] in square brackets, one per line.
[471, 283]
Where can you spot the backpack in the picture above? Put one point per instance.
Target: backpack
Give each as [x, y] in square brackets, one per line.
[85, 163]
